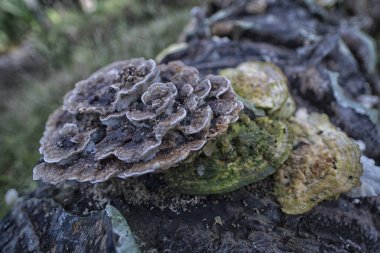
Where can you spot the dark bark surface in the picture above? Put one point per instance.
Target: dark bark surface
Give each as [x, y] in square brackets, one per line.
[69, 218]
[41, 225]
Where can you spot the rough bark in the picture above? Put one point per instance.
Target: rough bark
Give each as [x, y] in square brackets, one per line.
[69, 217]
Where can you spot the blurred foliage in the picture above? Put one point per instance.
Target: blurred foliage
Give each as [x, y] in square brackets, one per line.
[75, 45]
[15, 21]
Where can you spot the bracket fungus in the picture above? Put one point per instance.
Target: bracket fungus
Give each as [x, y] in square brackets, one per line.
[251, 150]
[262, 85]
[134, 117]
[324, 163]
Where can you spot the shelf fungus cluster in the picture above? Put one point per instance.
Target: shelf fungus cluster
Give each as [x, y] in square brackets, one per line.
[324, 163]
[134, 117]
[312, 160]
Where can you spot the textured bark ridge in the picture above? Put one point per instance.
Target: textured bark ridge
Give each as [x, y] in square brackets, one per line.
[95, 231]
[247, 220]
[25, 230]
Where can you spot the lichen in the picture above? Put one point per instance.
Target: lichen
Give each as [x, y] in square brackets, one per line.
[132, 118]
[324, 163]
[173, 48]
[125, 240]
[369, 181]
[346, 102]
[249, 152]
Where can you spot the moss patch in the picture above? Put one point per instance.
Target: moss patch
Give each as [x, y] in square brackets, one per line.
[249, 152]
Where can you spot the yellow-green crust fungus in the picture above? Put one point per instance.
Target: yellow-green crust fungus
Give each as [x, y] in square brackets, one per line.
[286, 110]
[249, 152]
[262, 85]
[324, 163]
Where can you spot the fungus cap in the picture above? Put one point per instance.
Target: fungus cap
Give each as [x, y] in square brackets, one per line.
[134, 117]
[324, 163]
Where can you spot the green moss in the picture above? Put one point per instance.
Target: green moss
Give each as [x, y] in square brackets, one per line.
[16, 20]
[249, 152]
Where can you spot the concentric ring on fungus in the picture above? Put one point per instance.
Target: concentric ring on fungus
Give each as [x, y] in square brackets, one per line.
[134, 117]
[324, 163]
[262, 85]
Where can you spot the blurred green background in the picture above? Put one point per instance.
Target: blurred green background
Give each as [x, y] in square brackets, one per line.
[46, 46]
